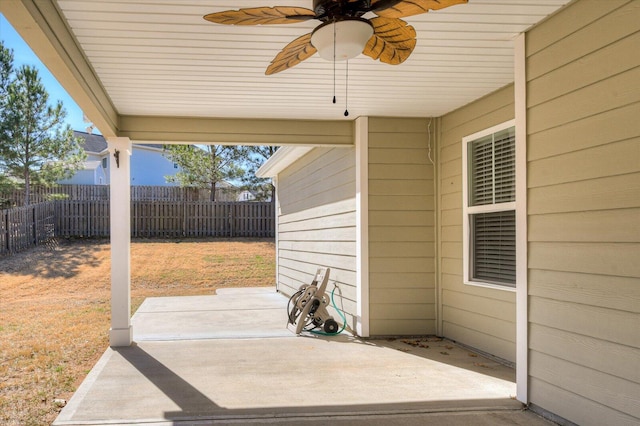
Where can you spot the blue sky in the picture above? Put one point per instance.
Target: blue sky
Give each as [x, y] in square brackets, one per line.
[22, 54]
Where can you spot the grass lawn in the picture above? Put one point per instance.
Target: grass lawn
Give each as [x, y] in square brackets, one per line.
[55, 307]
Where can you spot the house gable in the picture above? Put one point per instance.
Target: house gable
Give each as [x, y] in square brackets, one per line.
[148, 163]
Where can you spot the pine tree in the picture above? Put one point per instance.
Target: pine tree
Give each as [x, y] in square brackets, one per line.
[204, 167]
[254, 157]
[36, 147]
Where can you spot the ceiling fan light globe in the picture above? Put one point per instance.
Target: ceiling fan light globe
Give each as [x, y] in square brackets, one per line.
[351, 36]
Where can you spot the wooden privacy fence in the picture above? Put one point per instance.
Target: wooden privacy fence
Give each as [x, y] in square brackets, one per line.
[169, 219]
[40, 194]
[202, 219]
[88, 218]
[24, 227]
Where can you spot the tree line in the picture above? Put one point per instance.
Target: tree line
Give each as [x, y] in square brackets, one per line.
[38, 147]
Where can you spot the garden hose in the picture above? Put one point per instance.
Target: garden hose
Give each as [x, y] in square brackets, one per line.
[342, 315]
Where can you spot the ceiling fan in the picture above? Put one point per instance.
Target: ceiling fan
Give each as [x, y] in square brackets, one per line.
[344, 33]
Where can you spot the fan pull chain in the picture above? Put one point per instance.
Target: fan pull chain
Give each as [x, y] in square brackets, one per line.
[346, 92]
[334, 64]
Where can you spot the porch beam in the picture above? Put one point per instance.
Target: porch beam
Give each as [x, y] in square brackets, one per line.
[240, 131]
[121, 333]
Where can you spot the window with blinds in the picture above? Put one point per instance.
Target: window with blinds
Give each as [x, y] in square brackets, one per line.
[493, 247]
[490, 208]
[492, 164]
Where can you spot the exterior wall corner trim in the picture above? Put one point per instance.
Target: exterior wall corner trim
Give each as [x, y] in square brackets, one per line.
[362, 224]
[522, 315]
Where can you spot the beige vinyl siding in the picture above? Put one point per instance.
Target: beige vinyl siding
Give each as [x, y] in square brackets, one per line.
[583, 105]
[480, 317]
[401, 227]
[317, 224]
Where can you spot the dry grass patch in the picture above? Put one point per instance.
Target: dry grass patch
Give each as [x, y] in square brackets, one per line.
[55, 308]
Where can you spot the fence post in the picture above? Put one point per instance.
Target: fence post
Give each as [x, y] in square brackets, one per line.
[6, 229]
[184, 215]
[33, 225]
[232, 211]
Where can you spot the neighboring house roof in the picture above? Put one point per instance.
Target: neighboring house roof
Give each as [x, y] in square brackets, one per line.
[225, 184]
[90, 142]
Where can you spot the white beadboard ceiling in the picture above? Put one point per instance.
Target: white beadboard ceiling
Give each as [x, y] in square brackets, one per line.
[160, 57]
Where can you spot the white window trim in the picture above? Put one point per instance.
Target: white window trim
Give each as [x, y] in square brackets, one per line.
[466, 211]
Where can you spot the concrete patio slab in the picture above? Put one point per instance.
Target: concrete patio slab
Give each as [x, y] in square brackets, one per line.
[229, 359]
[229, 314]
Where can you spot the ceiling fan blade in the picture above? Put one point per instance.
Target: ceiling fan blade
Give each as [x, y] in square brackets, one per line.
[262, 16]
[404, 8]
[292, 54]
[392, 41]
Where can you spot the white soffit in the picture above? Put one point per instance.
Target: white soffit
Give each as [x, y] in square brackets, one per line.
[281, 159]
[160, 57]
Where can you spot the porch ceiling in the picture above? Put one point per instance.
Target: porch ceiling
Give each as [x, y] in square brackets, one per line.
[126, 58]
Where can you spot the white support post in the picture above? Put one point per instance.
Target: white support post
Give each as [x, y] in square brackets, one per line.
[121, 333]
[362, 225]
